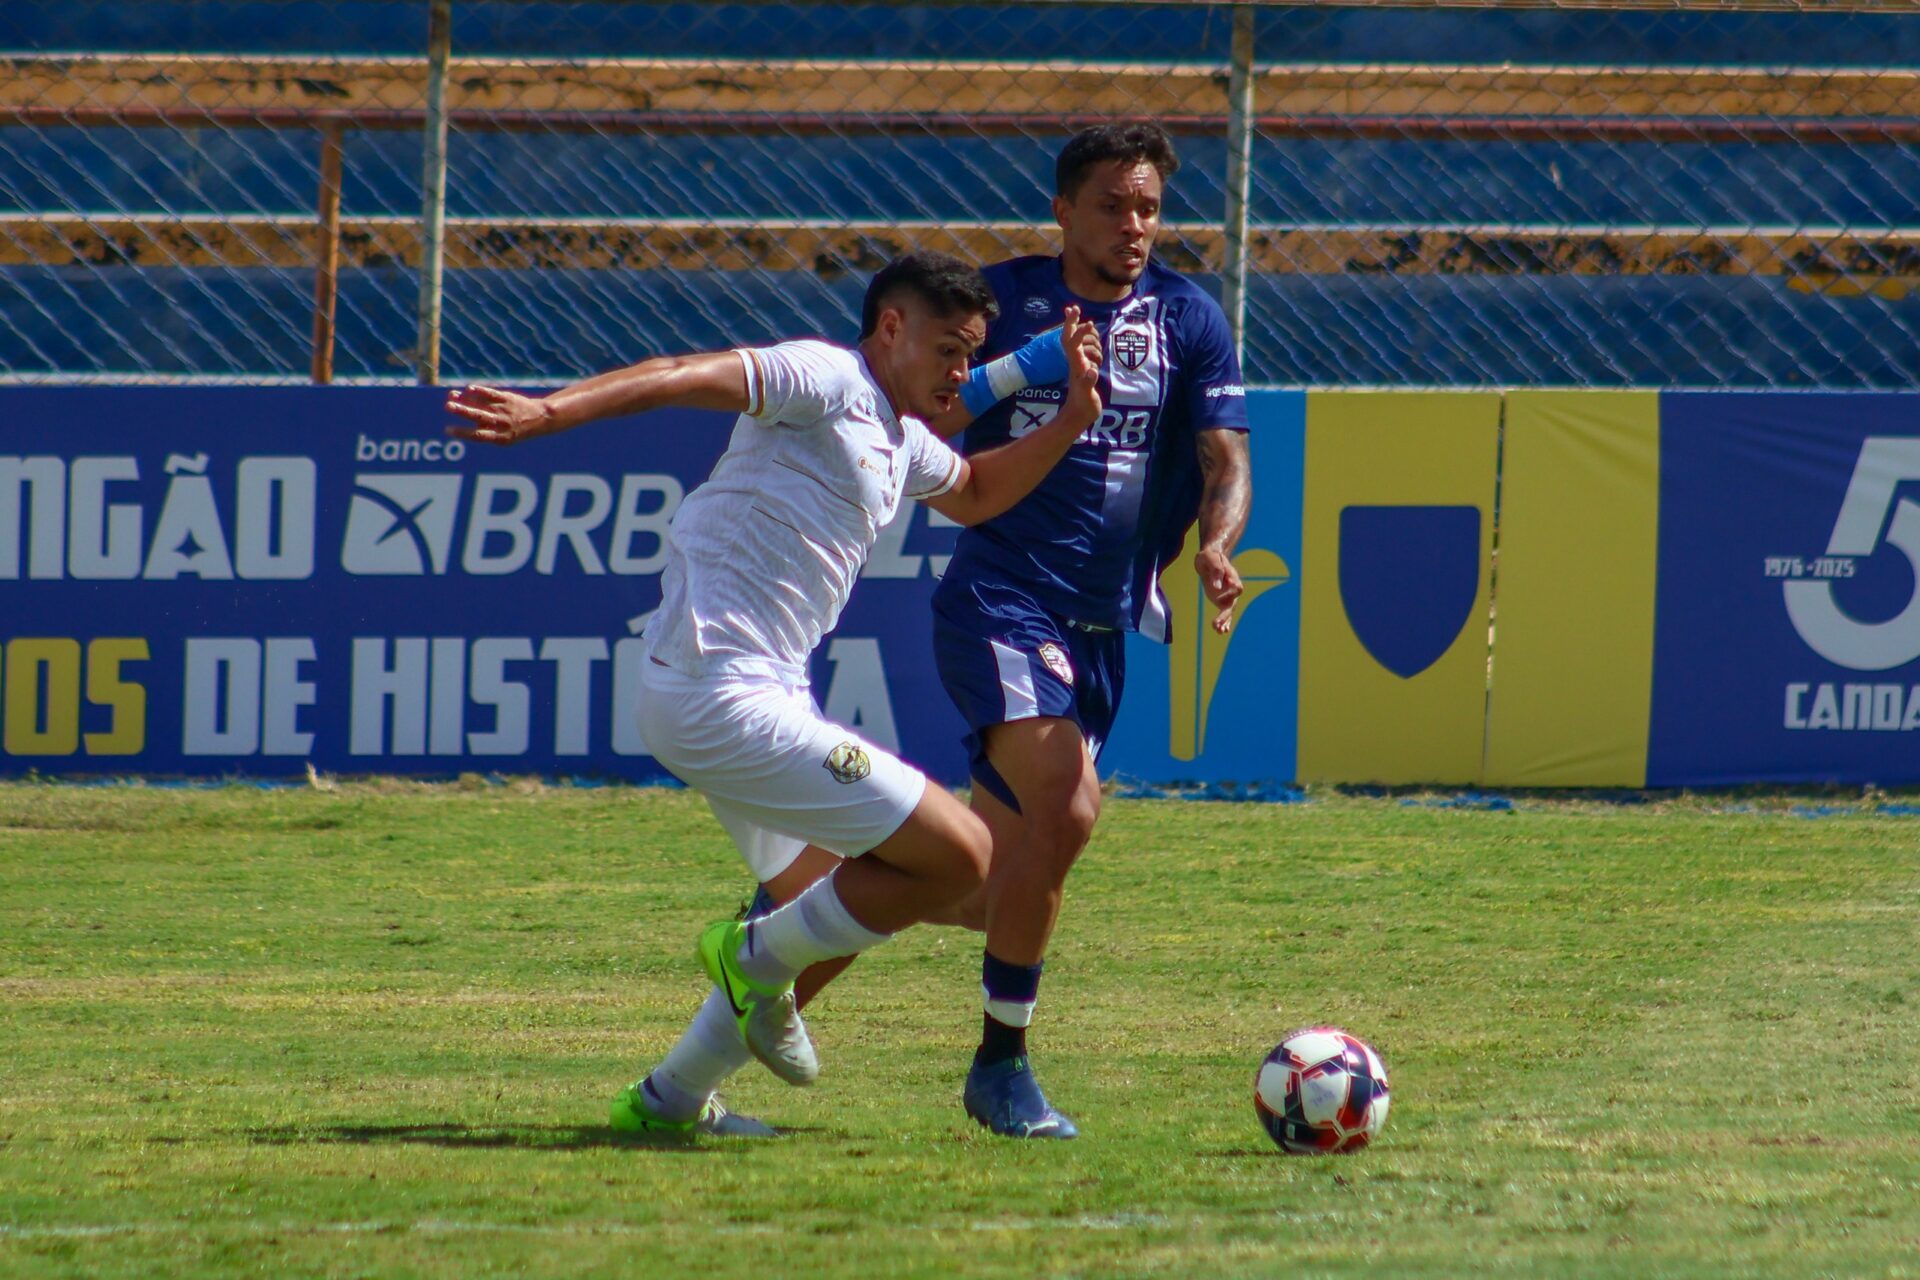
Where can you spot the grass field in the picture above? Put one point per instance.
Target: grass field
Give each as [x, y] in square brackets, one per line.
[374, 1030]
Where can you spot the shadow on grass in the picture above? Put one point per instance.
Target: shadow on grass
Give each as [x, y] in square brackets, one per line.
[534, 1137]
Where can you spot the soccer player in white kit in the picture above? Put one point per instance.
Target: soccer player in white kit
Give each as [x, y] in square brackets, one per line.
[760, 561]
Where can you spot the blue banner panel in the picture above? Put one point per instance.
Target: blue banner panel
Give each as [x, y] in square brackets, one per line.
[1215, 708]
[1787, 611]
[243, 580]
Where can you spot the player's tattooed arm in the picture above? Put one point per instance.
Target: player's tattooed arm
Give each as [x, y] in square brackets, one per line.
[1226, 496]
[993, 480]
[712, 380]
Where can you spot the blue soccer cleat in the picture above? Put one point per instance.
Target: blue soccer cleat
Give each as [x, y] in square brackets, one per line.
[1006, 1098]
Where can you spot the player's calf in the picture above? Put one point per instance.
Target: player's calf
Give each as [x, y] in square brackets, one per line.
[938, 856]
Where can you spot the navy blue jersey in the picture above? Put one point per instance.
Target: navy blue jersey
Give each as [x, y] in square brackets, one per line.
[1090, 541]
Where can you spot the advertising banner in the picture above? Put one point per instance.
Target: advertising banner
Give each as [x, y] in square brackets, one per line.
[1707, 588]
[1210, 707]
[1573, 627]
[1394, 580]
[241, 580]
[1787, 637]
[1692, 589]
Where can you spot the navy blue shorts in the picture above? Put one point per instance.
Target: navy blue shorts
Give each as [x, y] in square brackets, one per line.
[1002, 657]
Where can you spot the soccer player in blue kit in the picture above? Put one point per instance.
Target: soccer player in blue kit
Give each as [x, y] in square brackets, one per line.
[1031, 617]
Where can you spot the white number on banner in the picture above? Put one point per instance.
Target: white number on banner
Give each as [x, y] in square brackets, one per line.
[1884, 463]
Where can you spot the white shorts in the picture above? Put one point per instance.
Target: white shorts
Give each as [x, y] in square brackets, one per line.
[779, 775]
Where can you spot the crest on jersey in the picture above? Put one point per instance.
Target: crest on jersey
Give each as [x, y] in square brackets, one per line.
[1056, 659]
[848, 762]
[1130, 346]
[1037, 307]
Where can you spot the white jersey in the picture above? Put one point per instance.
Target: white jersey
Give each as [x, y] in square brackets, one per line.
[762, 557]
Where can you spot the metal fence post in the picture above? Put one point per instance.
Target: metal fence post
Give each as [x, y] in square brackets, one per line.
[433, 184]
[326, 278]
[1233, 284]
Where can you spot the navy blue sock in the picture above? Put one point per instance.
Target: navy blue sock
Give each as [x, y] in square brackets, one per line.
[1009, 991]
[761, 905]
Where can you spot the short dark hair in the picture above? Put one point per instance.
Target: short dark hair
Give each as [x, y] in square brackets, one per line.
[946, 284]
[1130, 141]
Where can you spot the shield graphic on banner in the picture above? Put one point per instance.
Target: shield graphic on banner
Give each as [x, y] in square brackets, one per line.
[1408, 580]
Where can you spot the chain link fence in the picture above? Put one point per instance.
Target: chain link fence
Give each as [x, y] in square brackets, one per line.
[1722, 195]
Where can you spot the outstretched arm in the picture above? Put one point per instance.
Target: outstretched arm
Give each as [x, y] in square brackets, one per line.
[995, 479]
[712, 380]
[1226, 495]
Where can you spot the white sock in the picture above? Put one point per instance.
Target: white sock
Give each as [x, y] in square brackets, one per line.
[813, 927]
[668, 1101]
[709, 1051]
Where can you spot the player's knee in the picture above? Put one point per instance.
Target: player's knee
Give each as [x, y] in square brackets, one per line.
[1083, 811]
[970, 912]
[945, 846]
[1062, 828]
[970, 853]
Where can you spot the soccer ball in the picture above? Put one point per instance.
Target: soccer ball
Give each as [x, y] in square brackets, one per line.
[1321, 1090]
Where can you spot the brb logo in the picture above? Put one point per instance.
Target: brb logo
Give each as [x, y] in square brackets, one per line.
[400, 524]
[419, 523]
[1113, 429]
[1885, 463]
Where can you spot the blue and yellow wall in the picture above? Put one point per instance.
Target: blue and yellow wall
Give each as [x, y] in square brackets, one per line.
[1534, 588]
[1544, 588]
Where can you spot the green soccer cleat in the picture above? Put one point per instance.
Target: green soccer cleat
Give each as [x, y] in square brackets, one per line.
[631, 1114]
[769, 1018]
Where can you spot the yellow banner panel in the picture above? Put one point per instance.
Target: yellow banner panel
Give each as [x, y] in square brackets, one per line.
[1395, 540]
[1573, 625]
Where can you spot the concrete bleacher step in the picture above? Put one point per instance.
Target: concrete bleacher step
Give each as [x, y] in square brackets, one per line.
[884, 177]
[1751, 31]
[1831, 259]
[787, 94]
[1416, 330]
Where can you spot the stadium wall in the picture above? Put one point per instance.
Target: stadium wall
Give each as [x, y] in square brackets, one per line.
[1523, 589]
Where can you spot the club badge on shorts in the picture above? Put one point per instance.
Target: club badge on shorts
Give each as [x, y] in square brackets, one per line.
[1056, 659]
[848, 762]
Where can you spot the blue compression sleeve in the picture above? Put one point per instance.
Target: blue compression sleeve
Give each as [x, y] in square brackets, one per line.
[1041, 362]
